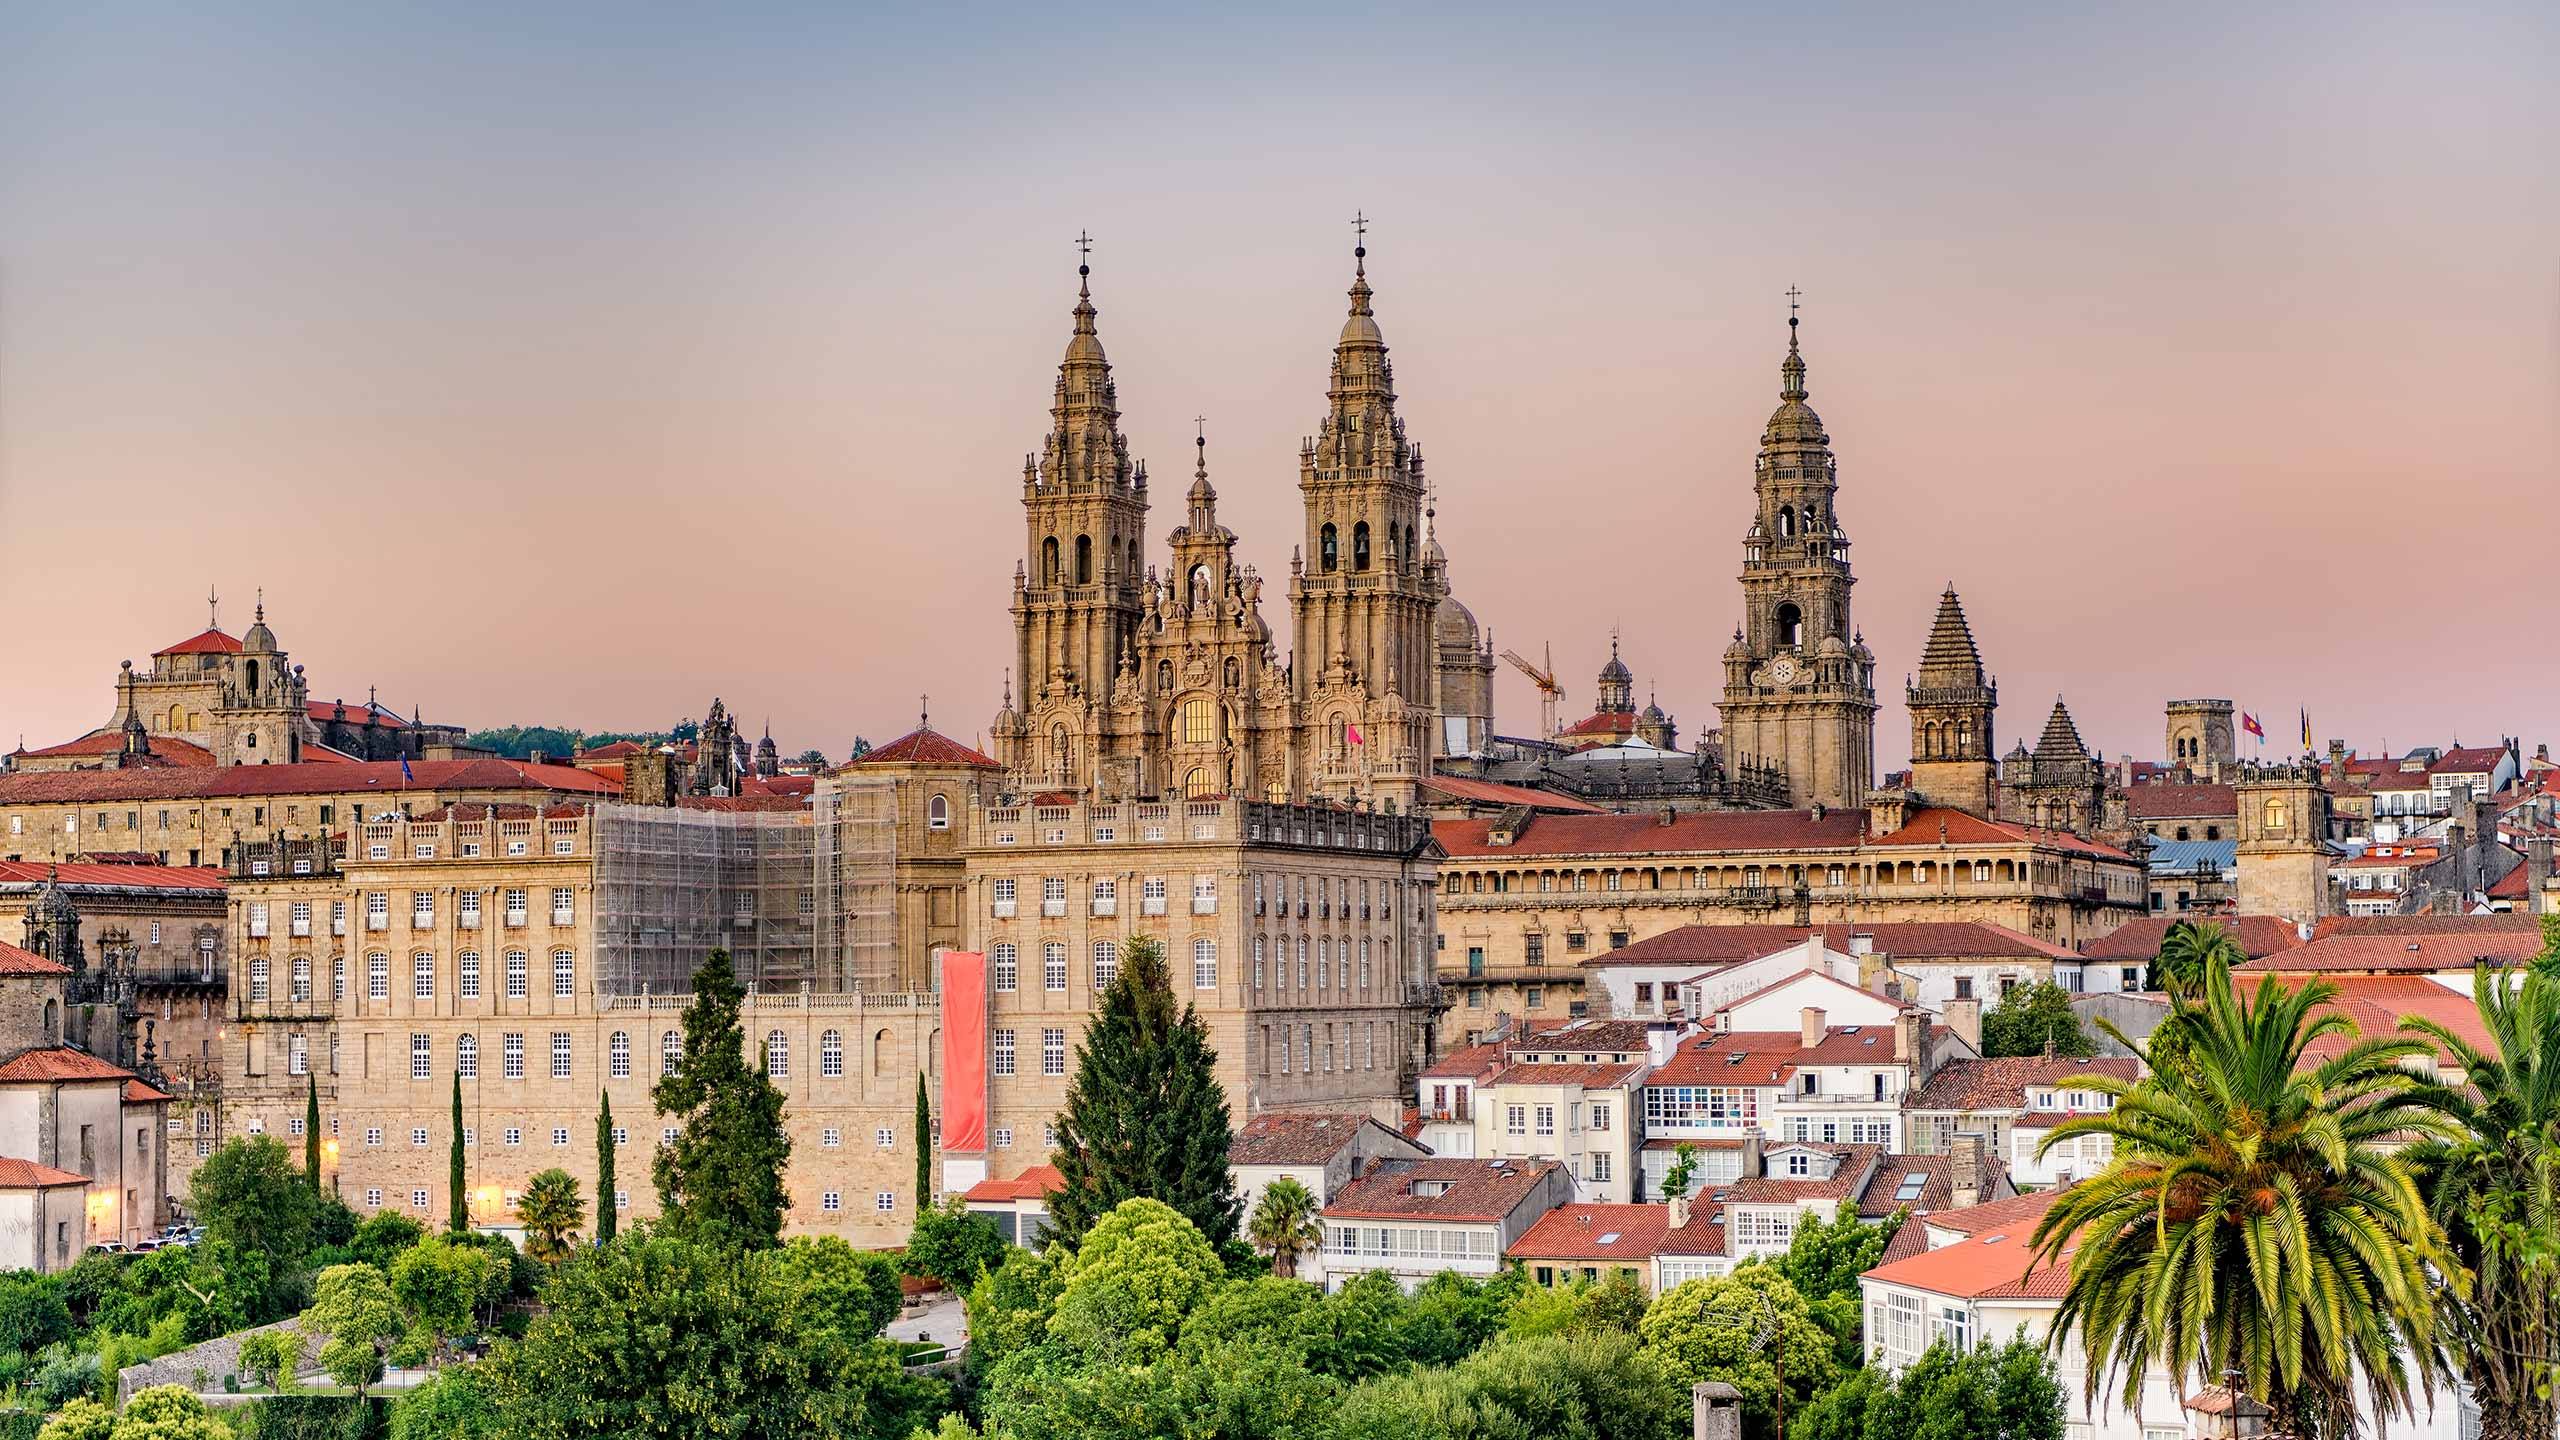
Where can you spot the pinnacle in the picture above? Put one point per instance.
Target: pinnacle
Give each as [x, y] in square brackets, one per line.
[2061, 738]
[1951, 657]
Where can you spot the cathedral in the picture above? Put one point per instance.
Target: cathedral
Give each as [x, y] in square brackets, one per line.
[1147, 683]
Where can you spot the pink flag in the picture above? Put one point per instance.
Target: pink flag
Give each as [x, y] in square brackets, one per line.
[1355, 736]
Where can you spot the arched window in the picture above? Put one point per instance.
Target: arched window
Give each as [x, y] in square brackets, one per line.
[1197, 785]
[880, 1052]
[831, 1054]
[252, 669]
[1786, 521]
[1134, 569]
[937, 813]
[1199, 721]
[777, 1054]
[1328, 555]
[617, 1054]
[1084, 559]
[2275, 816]
[670, 1052]
[1106, 963]
[1790, 624]
[1360, 546]
[1049, 561]
[53, 1022]
[466, 1057]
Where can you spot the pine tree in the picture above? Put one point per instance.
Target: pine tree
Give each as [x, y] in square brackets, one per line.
[720, 1183]
[1145, 1115]
[924, 1147]
[311, 1133]
[460, 1220]
[607, 1213]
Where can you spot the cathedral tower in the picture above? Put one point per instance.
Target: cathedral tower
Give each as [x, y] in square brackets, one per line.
[1363, 589]
[1799, 681]
[1952, 754]
[1077, 593]
[1216, 710]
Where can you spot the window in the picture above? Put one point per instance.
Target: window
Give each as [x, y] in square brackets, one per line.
[1106, 897]
[1053, 965]
[564, 905]
[418, 1137]
[1151, 895]
[338, 977]
[337, 917]
[377, 910]
[559, 1055]
[1600, 1115]
[559, 1136]
[1001, 1056]
[373, 1135]
[1204, 964]
[1004, 1137]
[421, 1057]
[564, 973]
[831, 1054]
[617, 1049]
[832, 1201]
[422, 976]
[467, 909]
[1053, 895]
[1106, 963]
[884, 1202]
[258, 977]
[1002, 895]
[937, 813]
[466, 1057]
[1053, 1052]
[1546, 1119]
[1007, 962]
[297, 1054]
[515, 902]
[777, 1054]
[1599, 1164]
[885, 1137]
[1204, 894]
[670, 1052]
[519, 969]
[831, 1137]
[377, 976]
[1515, 1120]
[417, 1199]
[422, 909]
[511, 1056]
[467, 976]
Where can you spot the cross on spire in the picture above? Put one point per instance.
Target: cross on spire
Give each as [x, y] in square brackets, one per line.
[1794, 295]
[1084, 262]
[213, 609]
[1360, 241]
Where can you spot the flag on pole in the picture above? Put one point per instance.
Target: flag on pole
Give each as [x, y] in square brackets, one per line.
[1355, 736]
[405, 776]
[2250, 723]
[2306, 730]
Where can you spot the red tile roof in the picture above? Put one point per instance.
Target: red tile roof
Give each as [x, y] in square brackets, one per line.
[2469, 760]
[209, 642]
[248, 781]
[1485, 792]
[1624, 1233]
[16, 1174]
[1768, 1057]
[1482, 1191]
[1031, 1184]
[61, 1063]
[928, 746]
[1547, 1072]
[1994, 1260]
[2404, 925]
[2182, 802]
[1706, 945]
[1294, 1138]
[2404, 951]
[2140, 939]
[1594, 1036]
[1955, 827]
[1848, 1177]
[15, 960]
[2002, 1084]
[1473, 1062]
[130, 877]
[2378, 1003]
[615, 751]
[327, 713]
[742, 802]
[167, 749]
[1701, 833]
[1604, 722]
[138, 1092]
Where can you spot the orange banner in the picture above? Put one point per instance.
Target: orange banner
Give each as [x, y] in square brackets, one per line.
[964, 1051]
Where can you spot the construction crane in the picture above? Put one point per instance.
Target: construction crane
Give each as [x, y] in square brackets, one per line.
[1549, 692]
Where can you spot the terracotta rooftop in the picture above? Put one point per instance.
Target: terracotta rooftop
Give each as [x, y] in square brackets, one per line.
[2414, 949]
[208, 642]
[139, 1092]
[927, 746]
[165, 749]
[1604, 1037]
[1955, 827]
[131, 877]
[2002, 1084]
[1995, 1259]
[1849, 1176]
[2336, 925]
[16, 1174]
[1031, 1184]
[1482, 1191]
[1706, 945]
[1704, 833]
[1622, 1233]
[2469, 760]
[251, 781]
[1604, 722]
[1547, 1072]
[2181, 802]
[16, 960]
[2140, 939]
[1473, 1062]
[1769, 1057]
[339, 712]
[61, 1063]
[1284, 1138]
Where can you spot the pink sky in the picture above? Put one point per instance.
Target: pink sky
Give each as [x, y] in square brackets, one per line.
[563, 371]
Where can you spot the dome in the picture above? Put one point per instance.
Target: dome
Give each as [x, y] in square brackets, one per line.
[1652, 715]
[1455, 624]
[259, 638]
[1794, 423]
[1737, 650]
[1830, 647]
[1616, 671]
[1362, 327]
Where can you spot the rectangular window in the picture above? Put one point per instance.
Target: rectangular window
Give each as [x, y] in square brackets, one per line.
[564, 905]
[559, 1136]
[257, 977]
[377, 910]
[418, 1137]
[564, 973]
[1053, 965]
[1007, 963]
[1001, 891]
[1546, 1119]
[1204, 894]
[1053, 895]
[299, 916]
[831, 1137]
[337, 917]
[511, 1052]
[421, 1057]
[467, 982]
[372, 1135]
[1004, 1137]
[1515, 1120]
[884, 1202]
[1534, 949]
[257, 920]
[1053, 1052]
[466, 908]
[377, 976]
[422, 909]
[515, 907]
[885, 1138]
[830, 1201]
[519, 969]
[559, 1055]
[422, 976]
[1600, 1114]
[1599, 1164]
[1001, 1056]
[297, 1055]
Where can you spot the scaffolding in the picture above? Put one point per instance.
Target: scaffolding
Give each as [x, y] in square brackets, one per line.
[676, 883]
[857, 884]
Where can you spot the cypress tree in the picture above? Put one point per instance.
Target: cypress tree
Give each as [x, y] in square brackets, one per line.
[1145, 1114]
[720, 1183]
[311, 1133]
[460, 1220]
[607, 1213]
[924, 1147]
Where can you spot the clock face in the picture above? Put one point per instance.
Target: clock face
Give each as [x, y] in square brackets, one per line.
[1784, 671]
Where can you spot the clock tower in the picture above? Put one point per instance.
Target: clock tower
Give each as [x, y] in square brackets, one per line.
[1799, 690]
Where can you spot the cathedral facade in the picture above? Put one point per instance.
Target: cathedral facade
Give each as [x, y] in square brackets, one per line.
[1147, 683]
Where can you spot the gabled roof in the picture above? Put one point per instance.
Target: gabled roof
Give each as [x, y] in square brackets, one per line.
[1711, 832]
[248, 781]
[16, 960]
[208, 642]
[1604, 722]
[1851, 1168]
[1546, 1072]
[1471, 1063]
[61, 1063]
[2002, 1084]
[1991, 1261]
[2140, 939]
[166, 749]
[1031, 1184]
[1711, 945]
[139, 1092]
[1478, 1191]
[16, 1174]
[2356, 951]
[1294, 1138]
[1769, 1057]
[327, 713]
[928, 746]
[1626, 1234]
[2469, 760]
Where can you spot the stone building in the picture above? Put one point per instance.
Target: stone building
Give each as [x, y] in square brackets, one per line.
[2058, 786]
[1301, 933]
[922, 786]
[85, 1163]
[1952, 704]
[1799, 680]
[1137, 685]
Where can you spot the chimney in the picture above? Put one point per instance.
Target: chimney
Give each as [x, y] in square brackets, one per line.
[1815, 1020]
[1715, 1411]
[1680, 1210]
[1965, 1171]
[1911, 1045]
[1667, 816]
[1964, 1016]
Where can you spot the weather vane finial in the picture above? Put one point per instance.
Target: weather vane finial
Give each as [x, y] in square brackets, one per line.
[1794, 299]
[1360, 241]
[212, 609]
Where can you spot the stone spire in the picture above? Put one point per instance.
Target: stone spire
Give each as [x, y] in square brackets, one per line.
[2061, 739]
[1950, 658]
[1952, 706]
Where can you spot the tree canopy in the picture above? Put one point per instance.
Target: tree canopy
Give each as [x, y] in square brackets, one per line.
[2031, 1018]
[721, 1181]
[250, 1194]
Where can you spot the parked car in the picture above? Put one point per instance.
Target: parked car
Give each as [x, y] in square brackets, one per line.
[145, 1247]
[107, 1247]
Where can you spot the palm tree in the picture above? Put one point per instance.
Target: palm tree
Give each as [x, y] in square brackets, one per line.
[2496, 1192]
[2253, 1217]
[551, 1213]
[1286, 1224]
[2188, 949]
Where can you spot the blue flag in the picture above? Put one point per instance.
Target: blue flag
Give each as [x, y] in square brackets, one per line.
[404, 770]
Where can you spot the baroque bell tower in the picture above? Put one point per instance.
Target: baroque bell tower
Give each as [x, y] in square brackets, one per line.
[1364, 588]
[1799, 688]
[1078, 592]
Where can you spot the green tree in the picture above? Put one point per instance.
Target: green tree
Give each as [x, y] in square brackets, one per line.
[608, 1210]
[457, 1197]
[1586, 1385]
[953, 1246]
[1736, 1328]
[207, 1290]
[1990, 1392]
[551, 1212]
[452, 1405]
[353, 1306]
[1823, 1261]
[1141, 1269]
[1684, 1166]
[311, 1132]
[2032, 1019]
[2494, 1190]
[273, 1354]
[1256, 1391]
[853, 1293]
[669, 1338]
[441, 1285]
[33, 1312]
[80, 1419]
[1144, 1115]
[1285, 1225]
[2253, 1216]
[383, 1236]
[721, 1181]
[163, 1412]
[2188, 949]
[1010, 1306]
[924, 1147]
[248, 1194]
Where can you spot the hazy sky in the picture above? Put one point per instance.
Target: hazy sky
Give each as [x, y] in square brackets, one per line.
[574, 367]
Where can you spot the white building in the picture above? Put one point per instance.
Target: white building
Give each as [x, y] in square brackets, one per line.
[1417, 1218]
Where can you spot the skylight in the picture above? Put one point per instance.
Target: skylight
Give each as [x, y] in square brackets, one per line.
[1611, 1238]
[1911, 1185]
